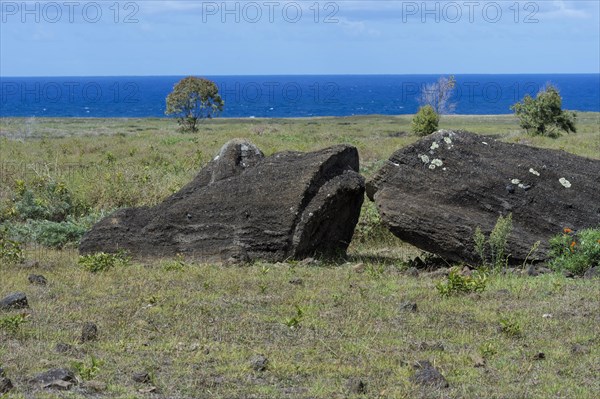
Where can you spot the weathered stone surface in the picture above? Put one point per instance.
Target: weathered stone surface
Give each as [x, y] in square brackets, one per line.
[245, 206]
[18, 300]
[435, 193]
[427, 375]
[52, 375]
[89, 332]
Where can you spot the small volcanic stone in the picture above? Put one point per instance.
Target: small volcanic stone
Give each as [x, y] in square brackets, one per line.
[141, 377]
[5, 385]
[18, 300]
[89, 332]
[593, 272]
[64, 348]
[51, 375]
[259, 363]
[427, 375]
[409, 306]
[356, 386]
[296, 281]
[37, 279]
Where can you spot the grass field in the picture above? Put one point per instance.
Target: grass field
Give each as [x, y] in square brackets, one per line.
[195, 328]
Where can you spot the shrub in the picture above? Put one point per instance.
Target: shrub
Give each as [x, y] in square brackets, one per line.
[544, 115]
[12, 324]
[497, 243]
[458, 284]
[10, 250]
[575, 252]
[194, 99]
[102, 261]
[426, 121]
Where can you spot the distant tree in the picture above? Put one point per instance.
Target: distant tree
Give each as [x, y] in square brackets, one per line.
[426, 121]
[544, 115]
[438, 95]
[194, 99]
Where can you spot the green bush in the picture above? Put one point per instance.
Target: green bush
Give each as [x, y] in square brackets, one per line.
[426, 121]
[458, 284]
[42, 199]
[575, 252]
[12, 324]
[544, 115]
[102, 261]
[496, 243]
[10, 250]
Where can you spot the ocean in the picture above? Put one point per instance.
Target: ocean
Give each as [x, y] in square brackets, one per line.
[284, 96]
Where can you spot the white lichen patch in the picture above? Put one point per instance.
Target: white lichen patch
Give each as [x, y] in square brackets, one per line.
[521, 185]
[437, 162]
[432, 166]
[515, 181]
[534, 172]
[448, 140]
[424, 159]
[434, 146]
[484, 143]
[564, 182]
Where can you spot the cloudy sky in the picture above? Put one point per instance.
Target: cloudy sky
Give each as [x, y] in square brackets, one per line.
[108, 38]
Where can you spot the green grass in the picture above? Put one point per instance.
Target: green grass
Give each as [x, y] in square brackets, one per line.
[195, 327]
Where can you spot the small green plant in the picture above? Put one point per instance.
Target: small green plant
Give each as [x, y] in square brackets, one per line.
[511, 327]
[10, 251]
[102, 261]
[177, 264]
[426, 121]
[487, 350]
[294, 322]
[575, 252]
[496, 243]
[457, 284]
[88, 372]
[12, 324]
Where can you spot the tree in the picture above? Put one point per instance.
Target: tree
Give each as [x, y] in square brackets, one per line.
[425, 121]
[544, 115]
[194, 99]
[438, 95]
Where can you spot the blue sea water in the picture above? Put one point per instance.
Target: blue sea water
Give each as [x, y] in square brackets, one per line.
[284, 96]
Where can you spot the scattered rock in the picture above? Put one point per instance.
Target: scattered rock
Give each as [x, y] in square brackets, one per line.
[18, 300]
[37, 279]
[432, 346]
[532, 272]
[259, 363]
[58, 384]
[95, 386]
[245, 206]
[593, 272]
[64, 348]
[435, 198]
[568, 274]
[579, 349]
[427, 375]
[296, 281]
[413, 272]
[141, 377]
[148, 390]
[408, 306]
[309, 262]
[58, 374]
[89, 332]
[539, 356]
[466, 271]
[5, 385]
[359, 268]
[478, 361]
[356, 386]
[31, 264]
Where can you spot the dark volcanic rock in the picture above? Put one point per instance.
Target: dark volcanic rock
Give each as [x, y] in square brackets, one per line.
[356, 386]
[259, 363]
[428, 375]
[55, 375]
[37, 279]
[141, 377]
[17, 300]
[435, 193]
[89, 332]
[245, 206]
[5, 385]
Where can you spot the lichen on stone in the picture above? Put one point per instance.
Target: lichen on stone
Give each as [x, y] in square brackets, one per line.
[534, 172]
[515, 181]
[564, 182]
[435, 145]
[448, 140]
[437, 162]
[424, 159]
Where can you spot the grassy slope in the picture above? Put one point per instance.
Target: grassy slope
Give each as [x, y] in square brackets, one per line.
[196, 327]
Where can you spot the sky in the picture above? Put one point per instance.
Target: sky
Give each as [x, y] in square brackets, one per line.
[270, 37]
